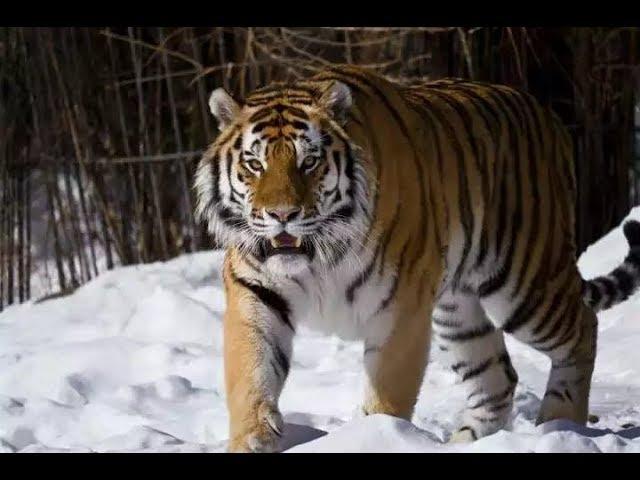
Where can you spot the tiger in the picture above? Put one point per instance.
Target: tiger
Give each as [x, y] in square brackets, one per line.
[392, 212]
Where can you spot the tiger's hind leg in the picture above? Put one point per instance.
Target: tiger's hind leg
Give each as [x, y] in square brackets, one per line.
[557, 322]
[477, 353]
[572, 351]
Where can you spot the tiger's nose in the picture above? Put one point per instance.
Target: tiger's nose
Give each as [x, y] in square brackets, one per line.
[283, 214]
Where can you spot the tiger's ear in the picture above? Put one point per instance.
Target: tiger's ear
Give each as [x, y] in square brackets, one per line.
[223, 107]
[337, 100]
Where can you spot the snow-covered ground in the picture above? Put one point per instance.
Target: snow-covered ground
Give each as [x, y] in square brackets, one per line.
[133, 362]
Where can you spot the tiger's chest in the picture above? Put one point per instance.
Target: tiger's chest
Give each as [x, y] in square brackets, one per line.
[339, 304]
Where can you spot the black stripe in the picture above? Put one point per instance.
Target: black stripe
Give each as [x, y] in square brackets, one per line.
[549, 312]
[471, 430]
[569, 330]
[348, 167]
[300, 100]
[396, 280]
[625, 282]
[525, 312]
[493, 125]
[297, 112]
[274, 122]
[234, 192]
[215, 179]
[298, 125]
[498, 397]
[554, 393]
[229, 218]
[279, 362]
[435, 211]
[570, 359]
[299, 284]
[260, 114]
[559, 317]
[469, 334]
[338, 161]
[633, 258]
[237, 144]
[568, 334]
[282, 359]
[363, 277]
[483, 248]
[567, 394]
[342, 213]
[497, 281]
[609, 288]
[503, 204]
[277, 370]
[509, 371]
[326, 137]
[372, 349]
[457, 366]
[594, 293]
[504, 97]
[479, 370]
[426, 117]
[269, 298]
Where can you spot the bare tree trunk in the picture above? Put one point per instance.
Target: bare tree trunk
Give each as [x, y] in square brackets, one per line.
[68, 235]
[10, 229]
[75, 234]
[186, 190]
[144, 145]
[27, 203]
[3, 231]
[107, 241]
[132, 170]
[87, 222]
[56, 237]
[19, 208]
[202, 94]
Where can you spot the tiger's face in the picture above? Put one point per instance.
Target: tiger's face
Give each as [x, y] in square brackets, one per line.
[283, 182]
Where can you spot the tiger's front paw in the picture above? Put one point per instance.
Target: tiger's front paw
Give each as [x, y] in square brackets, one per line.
[263, 435]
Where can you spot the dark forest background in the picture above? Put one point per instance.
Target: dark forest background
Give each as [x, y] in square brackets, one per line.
[101, 128]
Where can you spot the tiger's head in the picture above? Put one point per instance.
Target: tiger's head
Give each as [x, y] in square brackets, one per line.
[283, 182]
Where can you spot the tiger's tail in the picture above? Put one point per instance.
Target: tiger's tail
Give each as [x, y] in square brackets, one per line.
[606, 291]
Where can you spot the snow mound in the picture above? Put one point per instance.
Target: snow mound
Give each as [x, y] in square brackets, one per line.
[132, 362]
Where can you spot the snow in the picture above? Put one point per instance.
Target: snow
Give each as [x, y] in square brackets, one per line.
[132, 362]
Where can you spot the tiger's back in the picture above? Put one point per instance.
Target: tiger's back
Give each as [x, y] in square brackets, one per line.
[509, 192]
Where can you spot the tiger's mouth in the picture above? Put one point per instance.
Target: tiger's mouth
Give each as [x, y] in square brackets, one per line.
[285, 244]
[286, 240]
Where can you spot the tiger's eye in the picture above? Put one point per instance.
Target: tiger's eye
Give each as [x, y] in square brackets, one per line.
[309, 162]
[254, 165]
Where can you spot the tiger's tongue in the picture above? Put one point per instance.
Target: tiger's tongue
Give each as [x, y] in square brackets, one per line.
[285, 240]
